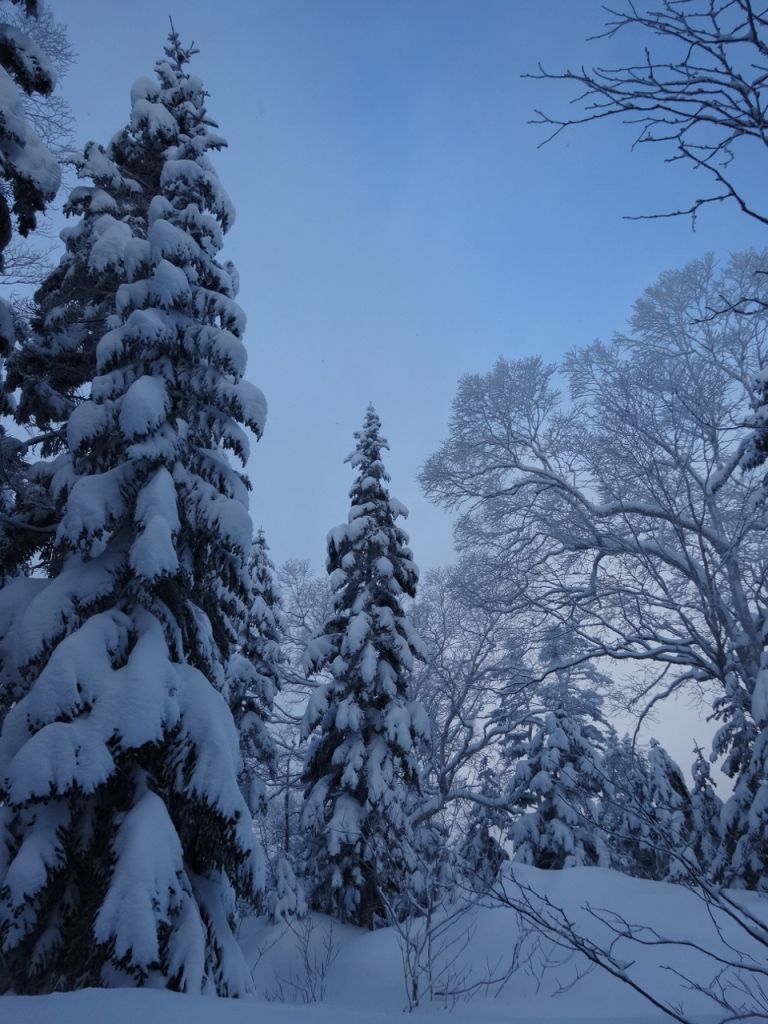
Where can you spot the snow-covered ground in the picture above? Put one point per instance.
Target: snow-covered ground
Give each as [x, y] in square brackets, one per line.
[358, 976]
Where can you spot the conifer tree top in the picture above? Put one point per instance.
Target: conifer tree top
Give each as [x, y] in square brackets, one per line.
[371, 536]
[367, 453]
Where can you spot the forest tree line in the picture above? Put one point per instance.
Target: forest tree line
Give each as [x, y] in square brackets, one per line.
[189, 734]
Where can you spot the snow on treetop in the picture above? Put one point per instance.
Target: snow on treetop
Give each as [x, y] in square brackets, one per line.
[168, 240]
[155, 118]
[192, 86]
[180, 176]
[143, 88]
[96, 200]
[110, 238]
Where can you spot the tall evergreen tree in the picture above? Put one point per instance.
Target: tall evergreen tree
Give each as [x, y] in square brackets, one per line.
[123, 835]
[361, 767]
[254, 674]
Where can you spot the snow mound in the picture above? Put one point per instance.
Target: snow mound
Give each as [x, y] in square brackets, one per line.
[363, 982]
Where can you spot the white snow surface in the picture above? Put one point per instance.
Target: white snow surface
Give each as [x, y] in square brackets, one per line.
[365, 984]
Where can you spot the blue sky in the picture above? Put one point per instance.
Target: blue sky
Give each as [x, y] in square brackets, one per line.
[397, 225]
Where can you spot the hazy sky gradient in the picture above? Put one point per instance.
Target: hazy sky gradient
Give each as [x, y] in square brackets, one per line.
[396, 224]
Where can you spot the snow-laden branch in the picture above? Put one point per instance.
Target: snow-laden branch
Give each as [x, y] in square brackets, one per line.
[623, 506]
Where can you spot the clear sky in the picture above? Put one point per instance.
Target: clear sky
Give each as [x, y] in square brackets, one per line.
[396, 224]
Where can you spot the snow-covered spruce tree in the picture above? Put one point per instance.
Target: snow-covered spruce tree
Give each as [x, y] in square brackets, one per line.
[554, 791]
[706, 810]
[29, 172]
[622, 811]
[669, 806]
[646, 813]
[361, 768]
[56, 361]
[29, 179]
[254, 675]
[742, 859]
[124, 837]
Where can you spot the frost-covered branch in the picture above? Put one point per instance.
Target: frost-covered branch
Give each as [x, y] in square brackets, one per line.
[621, 507]
[697, 89]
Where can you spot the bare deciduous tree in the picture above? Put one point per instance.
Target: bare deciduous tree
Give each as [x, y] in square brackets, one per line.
[699, 88]
[473, 683]
[622, 508]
